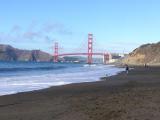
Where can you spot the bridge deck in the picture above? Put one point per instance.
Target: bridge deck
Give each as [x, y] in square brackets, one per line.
[70, 54]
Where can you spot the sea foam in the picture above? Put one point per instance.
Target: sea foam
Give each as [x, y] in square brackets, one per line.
[34, 80]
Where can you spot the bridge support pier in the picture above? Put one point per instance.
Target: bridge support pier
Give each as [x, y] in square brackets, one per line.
[106, 58]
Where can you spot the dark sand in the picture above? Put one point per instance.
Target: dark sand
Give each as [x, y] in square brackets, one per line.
[123, 97]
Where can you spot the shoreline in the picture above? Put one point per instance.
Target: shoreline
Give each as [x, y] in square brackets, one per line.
[62, 83]
[119, 97]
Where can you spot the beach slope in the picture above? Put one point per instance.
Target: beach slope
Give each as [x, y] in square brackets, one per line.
[135, 96]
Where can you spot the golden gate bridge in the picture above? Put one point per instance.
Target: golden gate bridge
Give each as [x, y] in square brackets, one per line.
[106, 56]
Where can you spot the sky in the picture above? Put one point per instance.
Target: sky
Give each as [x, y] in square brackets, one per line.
[117, 25]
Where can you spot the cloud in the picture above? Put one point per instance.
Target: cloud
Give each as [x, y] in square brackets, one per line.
[6, 37]
[49, 39]
[31, 35]
[43, 34]
[15, 28]
[56, 28]
[65, 32]
[50, 27]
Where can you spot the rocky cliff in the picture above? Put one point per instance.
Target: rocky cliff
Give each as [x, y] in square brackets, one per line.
[148, 53]
[9, 53]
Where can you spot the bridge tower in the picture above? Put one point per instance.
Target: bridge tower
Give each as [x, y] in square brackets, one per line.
[55, 52]
[90, 48]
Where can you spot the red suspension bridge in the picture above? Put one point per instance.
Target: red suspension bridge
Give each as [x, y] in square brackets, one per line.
[89, 53]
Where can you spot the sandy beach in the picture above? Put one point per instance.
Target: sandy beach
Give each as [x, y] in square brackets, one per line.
[135, 96]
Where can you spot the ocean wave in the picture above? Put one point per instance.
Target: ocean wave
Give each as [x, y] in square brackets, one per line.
[15, 84]
[31, 68]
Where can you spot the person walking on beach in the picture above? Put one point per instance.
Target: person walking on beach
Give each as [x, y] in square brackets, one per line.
[127, 68]
[145, 65]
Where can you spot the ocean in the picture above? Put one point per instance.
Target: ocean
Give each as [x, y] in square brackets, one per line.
[16, 77]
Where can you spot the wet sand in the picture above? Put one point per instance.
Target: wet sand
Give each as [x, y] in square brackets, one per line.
[135, 96]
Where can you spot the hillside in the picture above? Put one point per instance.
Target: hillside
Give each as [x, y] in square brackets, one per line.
[148, 53]
[9, 53]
